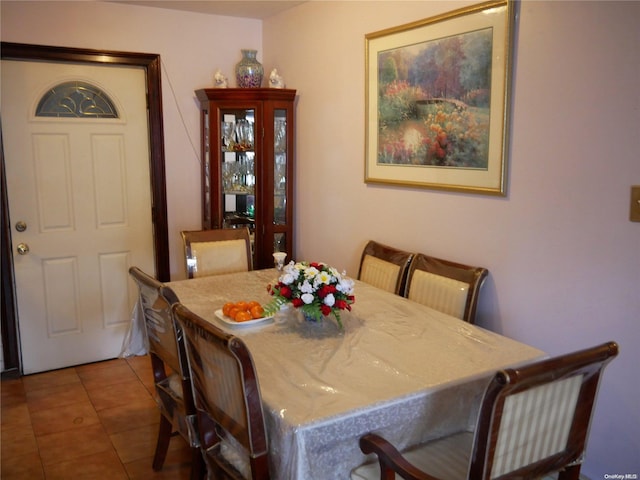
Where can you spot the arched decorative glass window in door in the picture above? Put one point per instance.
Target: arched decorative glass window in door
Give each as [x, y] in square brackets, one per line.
[76, 99]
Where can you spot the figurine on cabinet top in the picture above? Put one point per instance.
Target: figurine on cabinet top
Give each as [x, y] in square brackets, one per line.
[219, 80]
[275, 80]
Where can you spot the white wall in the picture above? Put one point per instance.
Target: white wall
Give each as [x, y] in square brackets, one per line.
[563, 256]
[564, 259]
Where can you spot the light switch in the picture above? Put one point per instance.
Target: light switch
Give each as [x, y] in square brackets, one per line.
[634, 211]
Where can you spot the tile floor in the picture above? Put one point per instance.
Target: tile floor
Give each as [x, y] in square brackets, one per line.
[93, 422]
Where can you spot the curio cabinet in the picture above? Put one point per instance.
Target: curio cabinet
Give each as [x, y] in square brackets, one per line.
[247, 165]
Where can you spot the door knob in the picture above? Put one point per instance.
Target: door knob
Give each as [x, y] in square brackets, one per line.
[21, 226]
[23, 248]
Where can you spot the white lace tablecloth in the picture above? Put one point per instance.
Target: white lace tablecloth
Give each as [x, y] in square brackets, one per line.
[398, 368]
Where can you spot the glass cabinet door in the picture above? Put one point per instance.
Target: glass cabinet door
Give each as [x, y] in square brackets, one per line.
[280, 179]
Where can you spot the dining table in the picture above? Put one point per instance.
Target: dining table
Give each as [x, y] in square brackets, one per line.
[398, 368]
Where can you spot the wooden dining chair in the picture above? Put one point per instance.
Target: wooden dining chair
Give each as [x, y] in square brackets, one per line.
[533, 421]
[384, 267]
[213, 252]
[449, 287]
[170, 368]
[233, 435]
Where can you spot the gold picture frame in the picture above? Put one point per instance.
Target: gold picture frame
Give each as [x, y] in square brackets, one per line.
[437, 100]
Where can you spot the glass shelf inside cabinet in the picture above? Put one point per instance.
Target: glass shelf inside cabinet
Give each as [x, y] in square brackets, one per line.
[238, 167]
[238, 131]
[238, 173]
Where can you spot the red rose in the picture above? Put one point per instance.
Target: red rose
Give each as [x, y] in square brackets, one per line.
[325, 309]
[326, 290]
[297, 302]
[285, 291]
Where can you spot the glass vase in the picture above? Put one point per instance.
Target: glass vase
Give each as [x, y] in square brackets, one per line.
[249, 71]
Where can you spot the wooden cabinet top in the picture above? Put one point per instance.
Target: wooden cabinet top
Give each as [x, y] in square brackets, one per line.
[244, 94]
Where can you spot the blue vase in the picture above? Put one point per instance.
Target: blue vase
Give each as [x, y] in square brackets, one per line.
[309, 318]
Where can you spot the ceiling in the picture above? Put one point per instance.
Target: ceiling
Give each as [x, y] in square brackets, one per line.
[233, 8]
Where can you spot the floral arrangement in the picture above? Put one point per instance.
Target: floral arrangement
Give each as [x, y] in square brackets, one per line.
[315, 288]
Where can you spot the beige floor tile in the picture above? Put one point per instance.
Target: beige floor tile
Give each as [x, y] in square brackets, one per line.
[132, 415]
[105, 465]
[139, 363]
[16, 441]
[93, 422]
[60, 419]
[105, 374]
[142, 367]
[15, 414]
[95, 366]
[177, 465]
[65, 446]
[141, 470]
[12, 391]
[22, 467]
[136, 443]
[117, 394]
[58, 395]
[55, 378]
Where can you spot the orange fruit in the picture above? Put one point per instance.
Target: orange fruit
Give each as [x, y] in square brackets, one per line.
[242, 305]
[257, 311]
[252, 304]
[233, 311]
[226, 308]
[243, 316]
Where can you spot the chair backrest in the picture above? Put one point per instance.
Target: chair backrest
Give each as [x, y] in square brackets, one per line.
[384, 267]
[156, 300]
[213, 252]
[535, 420]
[449, 287]
[227, 395]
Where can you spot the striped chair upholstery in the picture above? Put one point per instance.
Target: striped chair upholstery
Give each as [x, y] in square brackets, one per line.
[449, 287]
[214, 252]
[533, 423]
[384, 267]
[231, 424]
[170, 369]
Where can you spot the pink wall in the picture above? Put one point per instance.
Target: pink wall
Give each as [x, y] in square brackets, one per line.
[564, 259]
[563, 256]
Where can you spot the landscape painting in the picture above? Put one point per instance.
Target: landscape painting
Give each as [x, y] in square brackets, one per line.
[434, 102]
[437, 100]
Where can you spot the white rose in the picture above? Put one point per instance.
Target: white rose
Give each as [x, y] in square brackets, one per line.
[306, 287]
[329, 300]
[307, 298]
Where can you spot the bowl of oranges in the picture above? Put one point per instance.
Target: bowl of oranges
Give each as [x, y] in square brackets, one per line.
[242, 313]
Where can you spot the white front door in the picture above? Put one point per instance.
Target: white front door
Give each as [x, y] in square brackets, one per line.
[80, 206]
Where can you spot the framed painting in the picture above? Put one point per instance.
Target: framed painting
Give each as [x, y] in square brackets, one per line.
[437, 100]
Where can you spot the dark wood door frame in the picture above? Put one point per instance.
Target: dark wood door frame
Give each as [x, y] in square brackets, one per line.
[151, 63]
